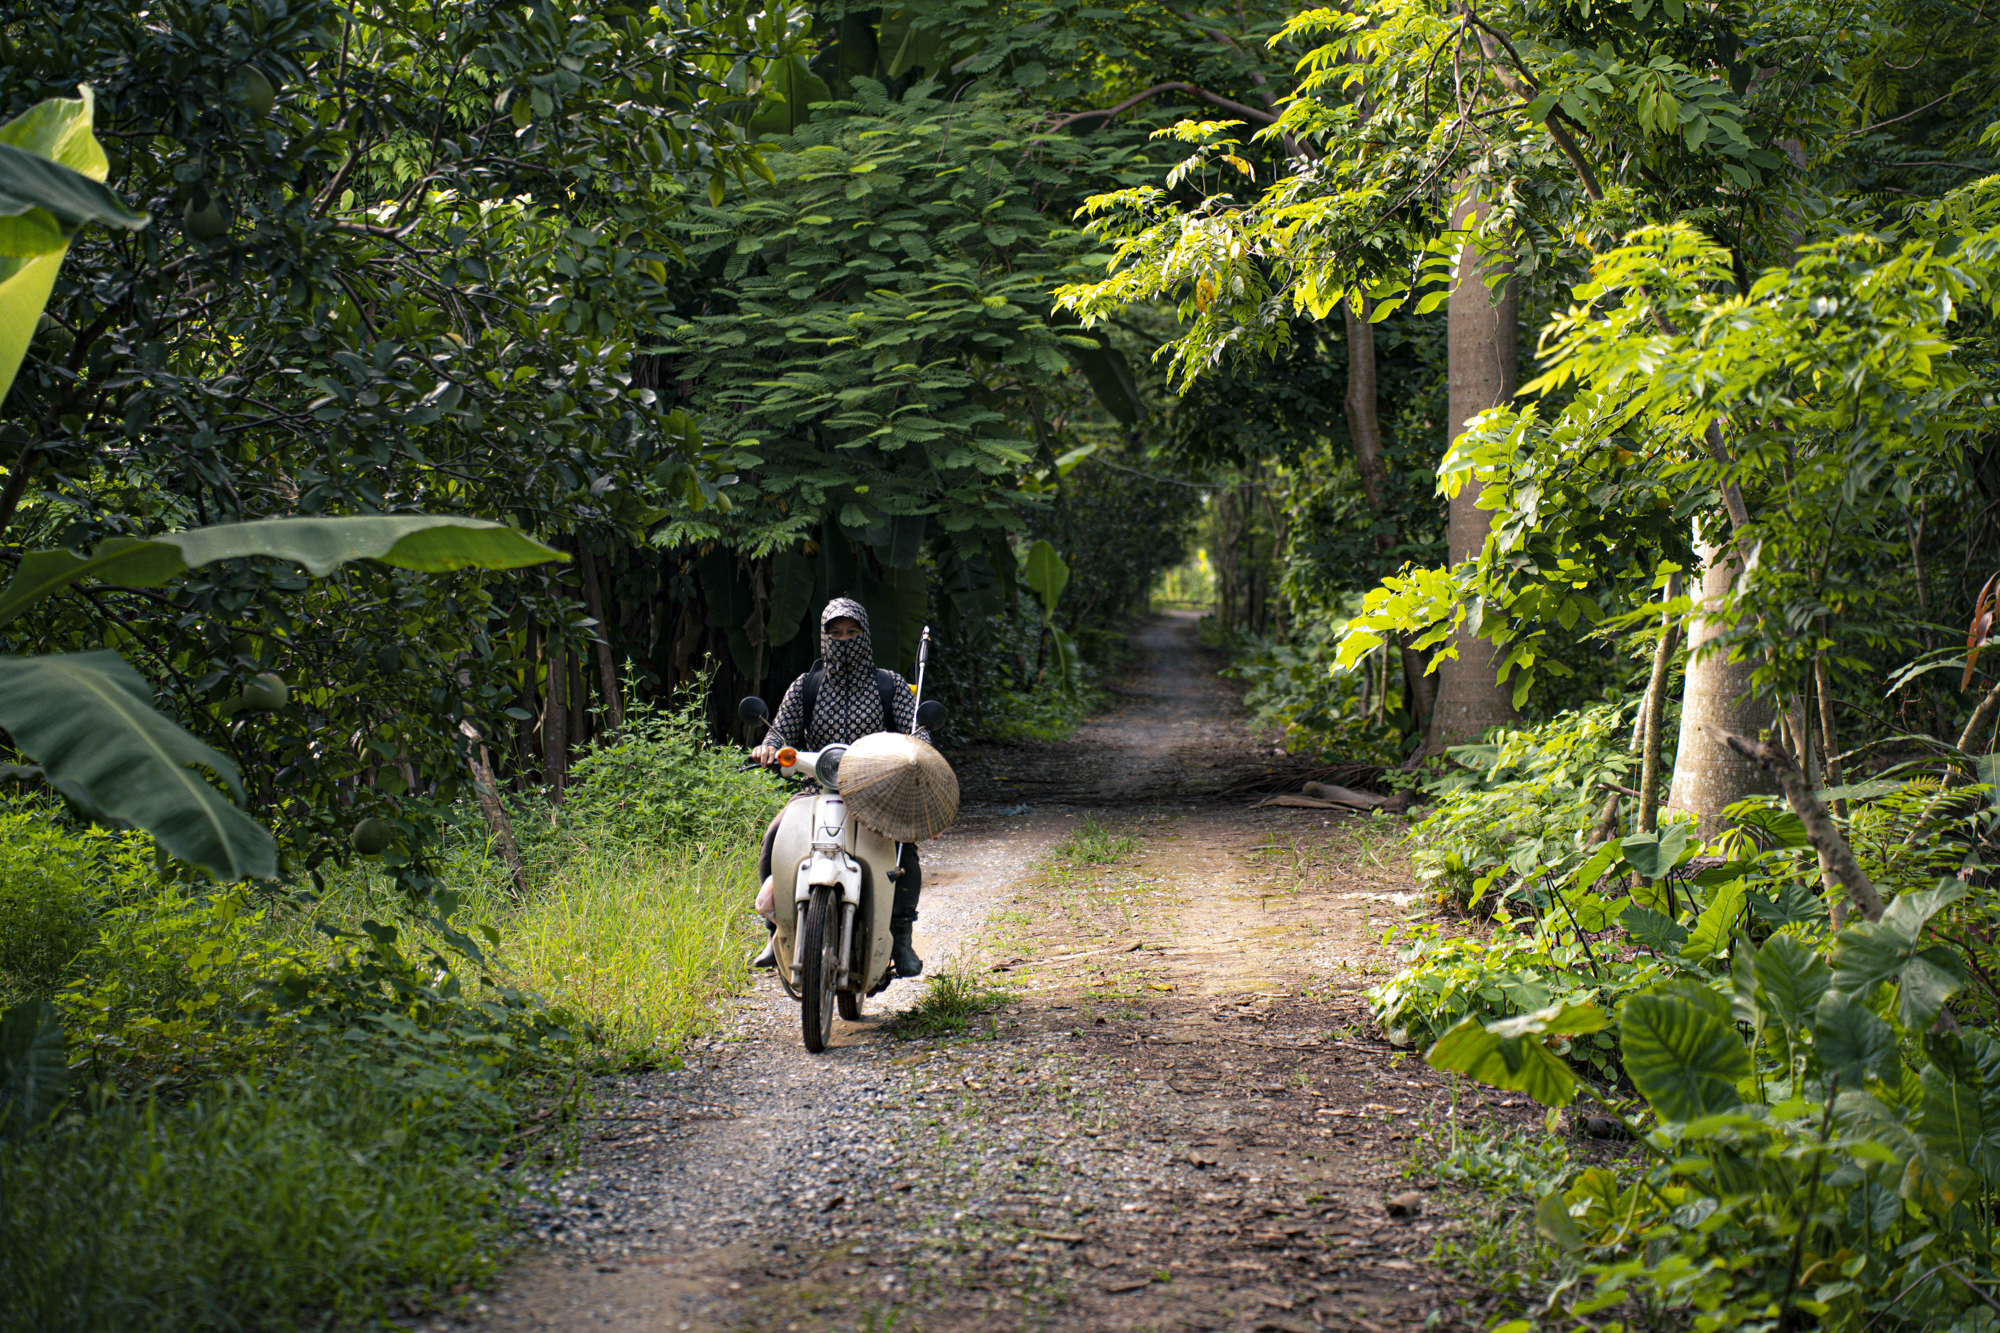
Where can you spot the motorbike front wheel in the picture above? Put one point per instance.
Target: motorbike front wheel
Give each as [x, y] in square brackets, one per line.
[821, 970]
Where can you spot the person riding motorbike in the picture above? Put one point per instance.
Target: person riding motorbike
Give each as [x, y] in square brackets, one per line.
[843, 698]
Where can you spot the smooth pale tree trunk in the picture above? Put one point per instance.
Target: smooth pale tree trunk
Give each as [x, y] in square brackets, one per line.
[1482, 344]
[1364, 427]
[1716, 693]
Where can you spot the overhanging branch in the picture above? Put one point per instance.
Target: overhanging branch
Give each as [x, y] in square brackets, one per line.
[1173, 86]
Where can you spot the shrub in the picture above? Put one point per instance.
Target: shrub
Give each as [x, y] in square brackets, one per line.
[1323, 709]
[56, 882]
[661, 783]
[170, 975]
[318, 1198]
[1521, 801]
[1445, 979]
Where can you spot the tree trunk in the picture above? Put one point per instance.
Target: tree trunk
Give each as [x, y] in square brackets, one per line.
[1656, 716]
[577, 690]
[1828, 736]
[531, 705]
[555, 720]
[487, 791]
[1364, 428]
[1482, 343]
[1716, 693]
[593, 597]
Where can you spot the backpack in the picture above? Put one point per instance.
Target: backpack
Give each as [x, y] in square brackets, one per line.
[885, 681]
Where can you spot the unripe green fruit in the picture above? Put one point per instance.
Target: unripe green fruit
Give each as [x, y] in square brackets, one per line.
[205, 222]
[255, 91]
[372, 836]
[267, 692]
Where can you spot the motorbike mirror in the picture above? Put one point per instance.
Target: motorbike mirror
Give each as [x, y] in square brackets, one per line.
[931, 714]
[752, 710]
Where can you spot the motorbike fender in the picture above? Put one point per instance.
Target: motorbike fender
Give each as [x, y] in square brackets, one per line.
[789, 851]
[825, 866]
[877, 855]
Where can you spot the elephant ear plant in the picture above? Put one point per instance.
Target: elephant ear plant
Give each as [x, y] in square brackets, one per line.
[1821, 1140]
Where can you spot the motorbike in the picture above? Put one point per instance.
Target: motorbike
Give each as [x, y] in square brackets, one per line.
[833, 945]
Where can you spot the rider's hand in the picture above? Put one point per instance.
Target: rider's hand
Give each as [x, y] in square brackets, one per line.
[764, 754]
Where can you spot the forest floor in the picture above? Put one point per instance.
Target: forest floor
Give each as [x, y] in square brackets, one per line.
[1181, 1120]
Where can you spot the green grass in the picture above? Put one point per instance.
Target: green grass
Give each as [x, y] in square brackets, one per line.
[1096, 844]
[948, 1007]
[647, 942]
[319, 1199]
[1046, 714]
[350, 1158]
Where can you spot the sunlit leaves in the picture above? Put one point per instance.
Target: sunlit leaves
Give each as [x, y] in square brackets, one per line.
[1513, 1054]
[1682, 1050]
[1928, 974]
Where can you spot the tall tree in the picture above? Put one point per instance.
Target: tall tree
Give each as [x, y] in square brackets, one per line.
[1484, 341]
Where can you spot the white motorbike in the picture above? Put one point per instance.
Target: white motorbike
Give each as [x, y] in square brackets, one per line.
[833, 946]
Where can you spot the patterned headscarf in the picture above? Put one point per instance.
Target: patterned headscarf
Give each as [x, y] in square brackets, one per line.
[847, 660]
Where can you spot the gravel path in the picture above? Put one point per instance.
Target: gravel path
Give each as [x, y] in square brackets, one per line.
[1178, 1122]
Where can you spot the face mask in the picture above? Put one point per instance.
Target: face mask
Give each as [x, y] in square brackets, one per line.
[847, 657]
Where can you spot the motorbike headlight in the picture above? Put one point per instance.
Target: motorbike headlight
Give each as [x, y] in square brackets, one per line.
[827, 770]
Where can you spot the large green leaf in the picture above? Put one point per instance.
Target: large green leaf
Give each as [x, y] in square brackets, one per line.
[1716, 925]
[1790, 978]
[88, 720]
[797, 90]
[1067, 660]
[1654, 854]
[51, 167]
[1850, 1040]
[432, 544]
[1868, 953]
[43, 203]
[1512, 1054]
[1046, 574]
[1111, 379]
[34, 1068]
[791, 596]
[1961, 1113]
[1654, 930]
[1682, 1050]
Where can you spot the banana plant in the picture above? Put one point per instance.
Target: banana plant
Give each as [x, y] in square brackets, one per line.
[52, 173]
[86, 721]
[1047, 576]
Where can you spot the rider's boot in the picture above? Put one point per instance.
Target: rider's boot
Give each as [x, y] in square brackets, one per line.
[769, 958]
[902, 918]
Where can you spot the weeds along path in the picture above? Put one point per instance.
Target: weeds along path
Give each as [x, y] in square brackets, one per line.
[1176, 1120]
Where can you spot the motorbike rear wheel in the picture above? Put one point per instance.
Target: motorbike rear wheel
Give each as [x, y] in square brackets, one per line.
[822, 969]
[850, 1006]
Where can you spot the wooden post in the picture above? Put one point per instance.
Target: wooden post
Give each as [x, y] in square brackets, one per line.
[487, 790]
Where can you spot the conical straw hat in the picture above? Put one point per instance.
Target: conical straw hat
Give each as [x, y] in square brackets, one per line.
[898, 786]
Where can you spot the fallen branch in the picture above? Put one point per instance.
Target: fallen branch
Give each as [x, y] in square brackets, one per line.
[1836, 858]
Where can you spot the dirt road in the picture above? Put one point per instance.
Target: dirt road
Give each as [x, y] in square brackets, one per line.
[1181, 1120]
